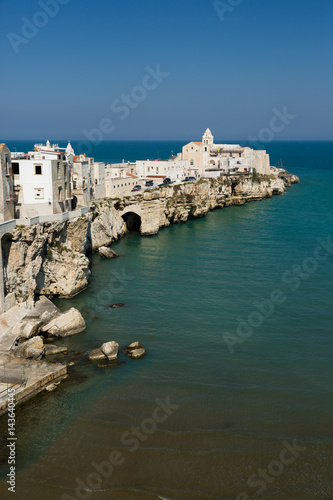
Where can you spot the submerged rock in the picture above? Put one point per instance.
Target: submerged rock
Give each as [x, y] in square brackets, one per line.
[110, 349]
[69, 323]
[135, 350]
[136, 353]
[50, 350]
[52, 387]
[134, 345]
[96, 355]
[113, 364]
[116, 306]
[107, 253]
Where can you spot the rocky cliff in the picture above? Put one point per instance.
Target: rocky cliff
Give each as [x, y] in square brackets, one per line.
[51, 259]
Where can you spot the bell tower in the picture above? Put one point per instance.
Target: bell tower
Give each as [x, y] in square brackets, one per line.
[207, 138]
[207, 143]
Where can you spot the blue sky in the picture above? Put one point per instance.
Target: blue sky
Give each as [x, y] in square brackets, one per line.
[226, 74]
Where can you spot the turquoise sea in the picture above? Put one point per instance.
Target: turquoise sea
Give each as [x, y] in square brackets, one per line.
[234, 397]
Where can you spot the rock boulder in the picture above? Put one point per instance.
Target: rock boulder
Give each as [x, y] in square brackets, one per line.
[107, 253]
[50, 350]
[110, 349]
[96, 355]
[66, 324]
[32, 348]
[136, 353]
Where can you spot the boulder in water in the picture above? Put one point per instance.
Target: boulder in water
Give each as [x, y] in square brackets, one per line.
[107, 253]
[110, 349]
[96, 355]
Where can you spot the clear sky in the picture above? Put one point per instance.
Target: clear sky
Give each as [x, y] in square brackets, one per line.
[225, 70]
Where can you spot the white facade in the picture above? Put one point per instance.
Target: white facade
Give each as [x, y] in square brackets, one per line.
[120, 179]
[98, 180]
[115, 186]
[120, 170]
[175, 169]
[227, 158]
[82, 180]
[42, 182]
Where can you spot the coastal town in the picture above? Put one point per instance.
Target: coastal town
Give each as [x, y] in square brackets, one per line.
[51, 180]
[57, 207]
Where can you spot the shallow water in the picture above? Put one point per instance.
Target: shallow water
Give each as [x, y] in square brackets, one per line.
[184, 290]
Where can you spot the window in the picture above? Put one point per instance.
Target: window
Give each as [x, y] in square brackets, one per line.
[65, 171]
[38, 169]
[60, 193]
[39, 194]
[16, 168]
[58, 169]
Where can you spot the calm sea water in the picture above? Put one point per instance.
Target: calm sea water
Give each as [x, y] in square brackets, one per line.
[184, 290]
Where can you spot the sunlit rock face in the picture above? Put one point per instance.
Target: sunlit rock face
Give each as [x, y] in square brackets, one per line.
[51, 259]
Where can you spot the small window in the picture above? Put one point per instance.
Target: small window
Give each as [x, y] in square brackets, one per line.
[16, 168]
[38, 169]
[39, 194]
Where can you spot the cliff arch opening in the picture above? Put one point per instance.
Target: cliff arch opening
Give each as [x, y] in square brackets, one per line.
[133, 221]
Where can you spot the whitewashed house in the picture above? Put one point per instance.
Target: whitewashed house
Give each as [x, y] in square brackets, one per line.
[82, 185]
[158, 170]
[41, 182]
[99, 180]
[120, 179]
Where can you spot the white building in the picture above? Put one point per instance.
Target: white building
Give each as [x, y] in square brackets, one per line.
[115, 186]
[120, 179]
[158, 170]
[120, 170]
[41, 182]
[99, 180]
[82, 180]
[225, 158]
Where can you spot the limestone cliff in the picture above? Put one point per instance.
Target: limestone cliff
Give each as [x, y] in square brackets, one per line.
[51, 258]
